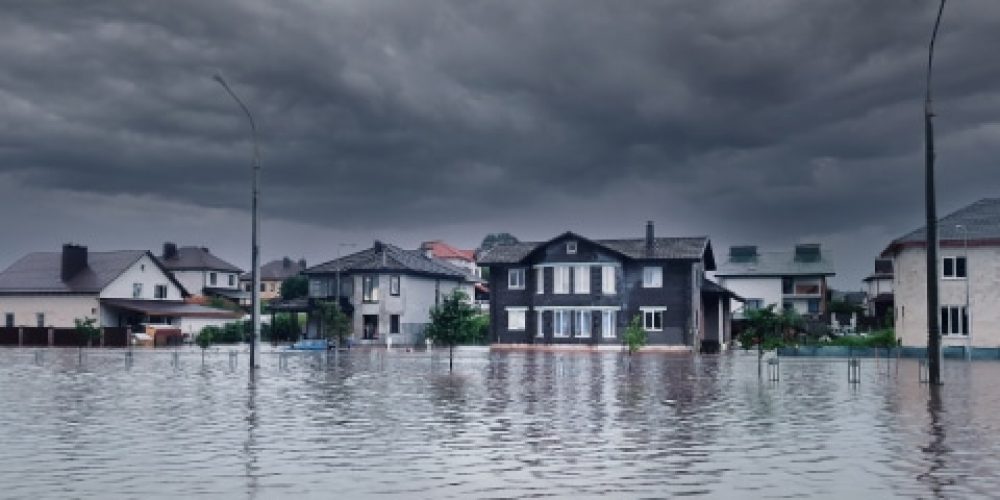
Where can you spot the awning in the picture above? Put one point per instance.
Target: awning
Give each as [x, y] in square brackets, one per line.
[229, 293]
[170, 308]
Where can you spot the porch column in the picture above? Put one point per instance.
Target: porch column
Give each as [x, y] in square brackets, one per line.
[20, 336]
[52, 336]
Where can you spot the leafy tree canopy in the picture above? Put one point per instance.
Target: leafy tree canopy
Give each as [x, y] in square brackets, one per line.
[493, 239]
[294, 288]
[454, 321]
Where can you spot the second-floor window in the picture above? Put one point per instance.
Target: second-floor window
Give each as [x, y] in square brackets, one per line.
[263, 287]
[581, 279]
[136, 290]
[369, 288]
[608, 280]
[652, 277]
[394, 285]
[9, 320]
[160, 292]
[540, 280]
[515, 279]
[213, 278]
[560, 279]
[232, 280]
[571, 247]
[315, 288]
[754, 304]
[953, 267]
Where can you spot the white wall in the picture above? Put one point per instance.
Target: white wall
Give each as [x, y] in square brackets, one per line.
[193, 326]
[59, 310]
[193, 281]
[766, 289]
[143, 271]
[413, 305]
[984, 290]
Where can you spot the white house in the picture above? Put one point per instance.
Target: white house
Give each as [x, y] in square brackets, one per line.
[878, 292]
[122, 289]
[388, 292]
[794, 279]
[201, 272]
[968, 279]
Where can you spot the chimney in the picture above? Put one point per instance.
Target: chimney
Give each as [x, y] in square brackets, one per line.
[74, 260]
[427, 248]
[169, 251]
[302, 263]
[286, 262]
[380, 249]
[649, 238]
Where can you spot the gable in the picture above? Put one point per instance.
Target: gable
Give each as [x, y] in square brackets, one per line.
[147, 272]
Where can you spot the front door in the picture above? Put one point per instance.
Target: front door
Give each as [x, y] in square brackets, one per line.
[370, 325]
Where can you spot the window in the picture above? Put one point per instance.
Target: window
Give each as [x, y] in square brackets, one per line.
[369, 288]
[953, 267]
[263, 287]
[652, 319]
[248, 287]
[394, 323]
[212, 278]
[394, 285]
[560, 323]
[754, 304]
[232, 280]
[954, 320]
[516, 319]
[813, 306]
[540, 327]
[571, 247]
[608, 280]
[582, 326]
[608, 324]
[136, 290]
[581, 279]
[40, 319]
[315, 288]
[515, 279]
[273, 286]
[652, 277]
[540, 280]
[561, 280]
[160, 292]
[8, 320]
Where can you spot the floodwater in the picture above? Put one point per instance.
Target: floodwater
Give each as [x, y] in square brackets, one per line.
[372, 424]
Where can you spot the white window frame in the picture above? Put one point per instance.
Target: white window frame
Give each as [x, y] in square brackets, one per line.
[954, 267]
[649, 315]
[608, 324]
[950, 330]
[583, 323]
[571, 248]
[608, 280]
[560, 280]
[394, 284]
[561, 323]
[652, 277]
[517, 319]
[515, 278]
[136, 290]
[369, 293]
[540, 326]
[581, 279]
[539, 280]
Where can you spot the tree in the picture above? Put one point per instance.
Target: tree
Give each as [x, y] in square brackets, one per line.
[335, 324]
[86, 332]
[204, 340]
[452, 323]
[635, 335]
[769, 329]
[294, 288]
[493, 239]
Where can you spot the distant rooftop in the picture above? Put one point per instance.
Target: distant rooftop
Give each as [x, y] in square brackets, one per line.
[442, 250]
[803, 260]
[280, 269]
[383, 257]
[695, 247]
[980, 223]
[193, 258]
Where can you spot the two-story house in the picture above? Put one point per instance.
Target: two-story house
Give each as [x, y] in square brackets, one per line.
[202, 273]
[272, 275]
[575, 290]
[795, 279]
[879, 295]
[387, 291]
[121, 289]
[968, 279]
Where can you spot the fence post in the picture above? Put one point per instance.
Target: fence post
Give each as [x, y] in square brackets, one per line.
[102, 337]
[52, 337]
[20, 336]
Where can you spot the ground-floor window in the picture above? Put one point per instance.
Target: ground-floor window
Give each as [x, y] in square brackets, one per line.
[540, 325]
[369, 327]
[581, 328]
[560, 322]
[608, 324]
[394, 323]
[954, 320]
[652, 319]
[9, 320]
[516, 319]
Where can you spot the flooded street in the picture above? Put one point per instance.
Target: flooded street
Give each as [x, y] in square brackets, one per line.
[504, 425]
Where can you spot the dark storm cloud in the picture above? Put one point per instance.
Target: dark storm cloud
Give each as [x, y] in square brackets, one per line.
[771, 119]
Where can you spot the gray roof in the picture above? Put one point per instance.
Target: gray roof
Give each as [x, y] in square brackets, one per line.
[383, 257]
[197, 259]
[278, 270]
[709, 286]
[778, 263]
[39, 272]
[980, 220]
[634, 248]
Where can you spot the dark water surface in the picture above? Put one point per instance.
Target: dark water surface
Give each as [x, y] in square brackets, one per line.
[505, 425]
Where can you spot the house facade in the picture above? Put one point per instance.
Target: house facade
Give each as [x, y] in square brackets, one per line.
[201, 273]
[387, 292]
[272, 275]
[968, 279]
[795, 279]
[119, 289]
[574, 290]
[879, 297]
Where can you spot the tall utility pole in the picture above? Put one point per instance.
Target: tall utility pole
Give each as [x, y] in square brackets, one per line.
[255, 232]
[933, 328]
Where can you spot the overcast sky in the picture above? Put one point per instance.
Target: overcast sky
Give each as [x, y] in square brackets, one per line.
[763, 122]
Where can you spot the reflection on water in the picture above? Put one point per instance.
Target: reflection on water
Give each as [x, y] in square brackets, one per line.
[522, 425]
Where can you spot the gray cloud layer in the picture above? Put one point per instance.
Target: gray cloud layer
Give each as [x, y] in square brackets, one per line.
[765, 121]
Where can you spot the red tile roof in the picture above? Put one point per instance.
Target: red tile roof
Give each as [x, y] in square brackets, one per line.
[442, 250]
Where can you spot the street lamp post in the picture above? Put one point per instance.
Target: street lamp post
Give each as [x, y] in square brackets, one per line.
[968, 302]
[255, 232]
[933, 327]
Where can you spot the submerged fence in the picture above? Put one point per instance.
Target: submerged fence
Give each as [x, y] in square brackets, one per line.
[950, 352]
